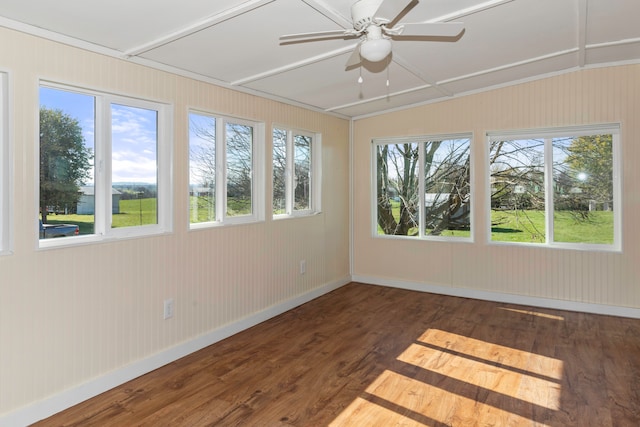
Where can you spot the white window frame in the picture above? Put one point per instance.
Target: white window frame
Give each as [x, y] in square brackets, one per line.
[420, 140]
[547, 134]
[6, 171]
[257, 173]
[315, 175]
[102, 169]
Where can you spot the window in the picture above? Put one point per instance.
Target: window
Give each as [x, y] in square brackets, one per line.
[225, 173]
[556, 186]
[422, 187]
[5, 171]
[104, 166]
[296, 173]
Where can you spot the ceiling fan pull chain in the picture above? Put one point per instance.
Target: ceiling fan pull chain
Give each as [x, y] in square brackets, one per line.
[360, 80]
[388, 65]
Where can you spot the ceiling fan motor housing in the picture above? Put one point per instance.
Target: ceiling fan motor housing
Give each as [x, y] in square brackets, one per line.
[362, 13]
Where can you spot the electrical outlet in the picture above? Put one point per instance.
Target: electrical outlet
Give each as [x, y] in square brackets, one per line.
[168, 308]
[303, 266]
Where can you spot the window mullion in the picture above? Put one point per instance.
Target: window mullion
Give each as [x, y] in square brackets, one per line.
[549, 189]
[421, 188]
[102, 167]
[221, 169]
[290, 174]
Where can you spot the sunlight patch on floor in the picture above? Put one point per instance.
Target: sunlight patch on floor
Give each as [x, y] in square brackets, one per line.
[505, 381]
[397, 400]
[533, 313]
[536, 365]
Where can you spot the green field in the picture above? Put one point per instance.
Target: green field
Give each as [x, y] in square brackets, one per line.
[523, 226]
[528, 226]
[570, 227]
[137, 212]
[132, 213]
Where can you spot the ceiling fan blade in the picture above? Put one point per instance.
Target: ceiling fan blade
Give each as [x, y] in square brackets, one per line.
[355, 57]
[435, 29]
[316, 35]
[390, 9]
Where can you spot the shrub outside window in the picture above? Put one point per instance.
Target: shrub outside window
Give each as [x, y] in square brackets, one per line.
[224, 170]
[556, 187]
[422, 187]
[104, 169]
[296, 172]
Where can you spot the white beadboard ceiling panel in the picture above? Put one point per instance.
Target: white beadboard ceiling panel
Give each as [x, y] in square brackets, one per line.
[235, 43]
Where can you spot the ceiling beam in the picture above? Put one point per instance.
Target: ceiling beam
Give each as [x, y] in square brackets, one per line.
[330, 13]
[294, 65]
[469, 11]
[582, 32]
[212, 20]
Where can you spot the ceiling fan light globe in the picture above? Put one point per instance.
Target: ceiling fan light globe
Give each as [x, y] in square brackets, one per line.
[375, 50]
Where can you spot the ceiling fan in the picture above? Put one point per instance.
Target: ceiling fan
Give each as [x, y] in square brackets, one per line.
[374, 22]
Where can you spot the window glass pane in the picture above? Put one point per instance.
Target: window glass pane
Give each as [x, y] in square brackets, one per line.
[239, 140]
[66, 196]
[517, 191]
[397, 189]
[279, 171]
[447, 187]
[202, 168]
[583, 189]
[302, 172]
[134, 166]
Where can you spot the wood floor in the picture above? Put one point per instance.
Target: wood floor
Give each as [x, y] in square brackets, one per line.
[374, 356]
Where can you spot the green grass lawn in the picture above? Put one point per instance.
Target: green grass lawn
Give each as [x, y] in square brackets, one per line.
[569, 227]
[132, 213]
[528, 226]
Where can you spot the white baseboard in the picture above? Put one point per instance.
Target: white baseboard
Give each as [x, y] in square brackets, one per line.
[68, 398]
[610, 310]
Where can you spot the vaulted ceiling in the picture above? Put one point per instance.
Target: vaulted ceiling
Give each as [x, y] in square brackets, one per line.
[236, 44]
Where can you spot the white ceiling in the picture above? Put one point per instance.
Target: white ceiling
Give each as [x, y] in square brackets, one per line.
[236, 44]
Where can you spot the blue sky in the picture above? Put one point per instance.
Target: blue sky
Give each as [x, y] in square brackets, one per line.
[133, 133]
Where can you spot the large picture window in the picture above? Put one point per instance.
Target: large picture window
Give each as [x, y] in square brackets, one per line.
[422, 187]
[104, 166]
[296, 172]
[557, 187]
[225, 172]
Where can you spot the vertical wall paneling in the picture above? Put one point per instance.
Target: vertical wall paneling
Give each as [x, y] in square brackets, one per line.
[589, 96]
[75, 314]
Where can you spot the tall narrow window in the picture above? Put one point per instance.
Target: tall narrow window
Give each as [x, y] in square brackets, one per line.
[224, 170]
[296, 172]
[423, 187]
[104, 166]
[557, 187]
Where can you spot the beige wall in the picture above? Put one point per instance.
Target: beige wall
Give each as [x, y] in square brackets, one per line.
[603, 95]
[70, 315]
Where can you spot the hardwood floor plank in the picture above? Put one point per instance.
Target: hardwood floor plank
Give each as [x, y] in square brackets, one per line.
[377, 356]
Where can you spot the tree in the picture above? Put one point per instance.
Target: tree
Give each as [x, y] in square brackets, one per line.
[65, 162]
[397, 181]
[238, 161]
[590, 160]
